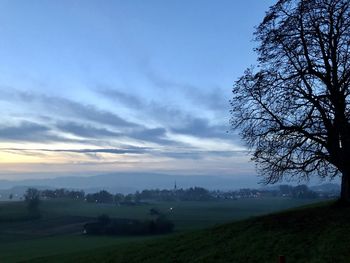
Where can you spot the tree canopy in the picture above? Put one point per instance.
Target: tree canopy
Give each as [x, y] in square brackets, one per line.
[293, 108]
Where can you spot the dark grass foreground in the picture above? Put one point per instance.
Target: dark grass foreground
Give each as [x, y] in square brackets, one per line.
[313, 234]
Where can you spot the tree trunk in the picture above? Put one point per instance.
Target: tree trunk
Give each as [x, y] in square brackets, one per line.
[345, 187]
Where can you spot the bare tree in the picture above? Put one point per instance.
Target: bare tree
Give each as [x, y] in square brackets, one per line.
[32, 198]
[293, 108]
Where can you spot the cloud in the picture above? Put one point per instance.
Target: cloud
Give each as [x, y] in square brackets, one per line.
[126, 99]
[197, 155]
[87, 112]
[68, 109]
[175, 119]
[87, 131]
[200, 127]
[103, 127]
[210, 98]
[28, 131]
[134, 150]
[156, 135]
[213, 99]
[183, 155]
[85, 121]
[127, 149]
[121, 151]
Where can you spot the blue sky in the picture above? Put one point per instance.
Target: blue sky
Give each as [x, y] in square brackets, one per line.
[98, 86]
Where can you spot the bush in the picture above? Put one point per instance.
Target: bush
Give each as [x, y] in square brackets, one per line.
[107, 226]
[163, 225]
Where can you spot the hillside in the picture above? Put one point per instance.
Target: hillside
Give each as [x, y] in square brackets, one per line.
[310, 234]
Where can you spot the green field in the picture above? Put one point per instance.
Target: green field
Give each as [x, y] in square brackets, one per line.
[59, 231]
[314, 234]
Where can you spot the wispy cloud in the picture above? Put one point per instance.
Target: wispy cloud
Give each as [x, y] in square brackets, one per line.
[175, 153]
[28, 131]
[133, 150]
[211, 98]
[87, 121]
[39, 151]
[156, 135]
[67, 109]
[200, 127]
[94, 135]
[175, 119]
[122, 97]
[86, 131]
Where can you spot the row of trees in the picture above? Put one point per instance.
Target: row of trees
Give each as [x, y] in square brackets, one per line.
[108, 198]
[62, 193]
[33, 195]
[191, 194]
[299, 191]
[107, 226]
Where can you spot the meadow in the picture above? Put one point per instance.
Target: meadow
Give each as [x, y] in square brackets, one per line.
[317, 233]
[59, 231]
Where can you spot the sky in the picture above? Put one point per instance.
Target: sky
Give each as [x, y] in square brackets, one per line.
[99, 86]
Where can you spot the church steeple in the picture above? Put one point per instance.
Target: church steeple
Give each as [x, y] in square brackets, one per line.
[175, 186]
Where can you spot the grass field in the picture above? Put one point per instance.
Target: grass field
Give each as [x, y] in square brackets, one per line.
[59, 231]
[316, 234]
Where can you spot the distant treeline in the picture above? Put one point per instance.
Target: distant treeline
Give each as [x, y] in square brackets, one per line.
[62, 193]
[299, 191]
[190, 194]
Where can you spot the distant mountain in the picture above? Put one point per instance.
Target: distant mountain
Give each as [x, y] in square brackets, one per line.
[131, 182]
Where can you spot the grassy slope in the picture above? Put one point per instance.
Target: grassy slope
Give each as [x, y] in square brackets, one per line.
[62, 223]
[314, 234]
